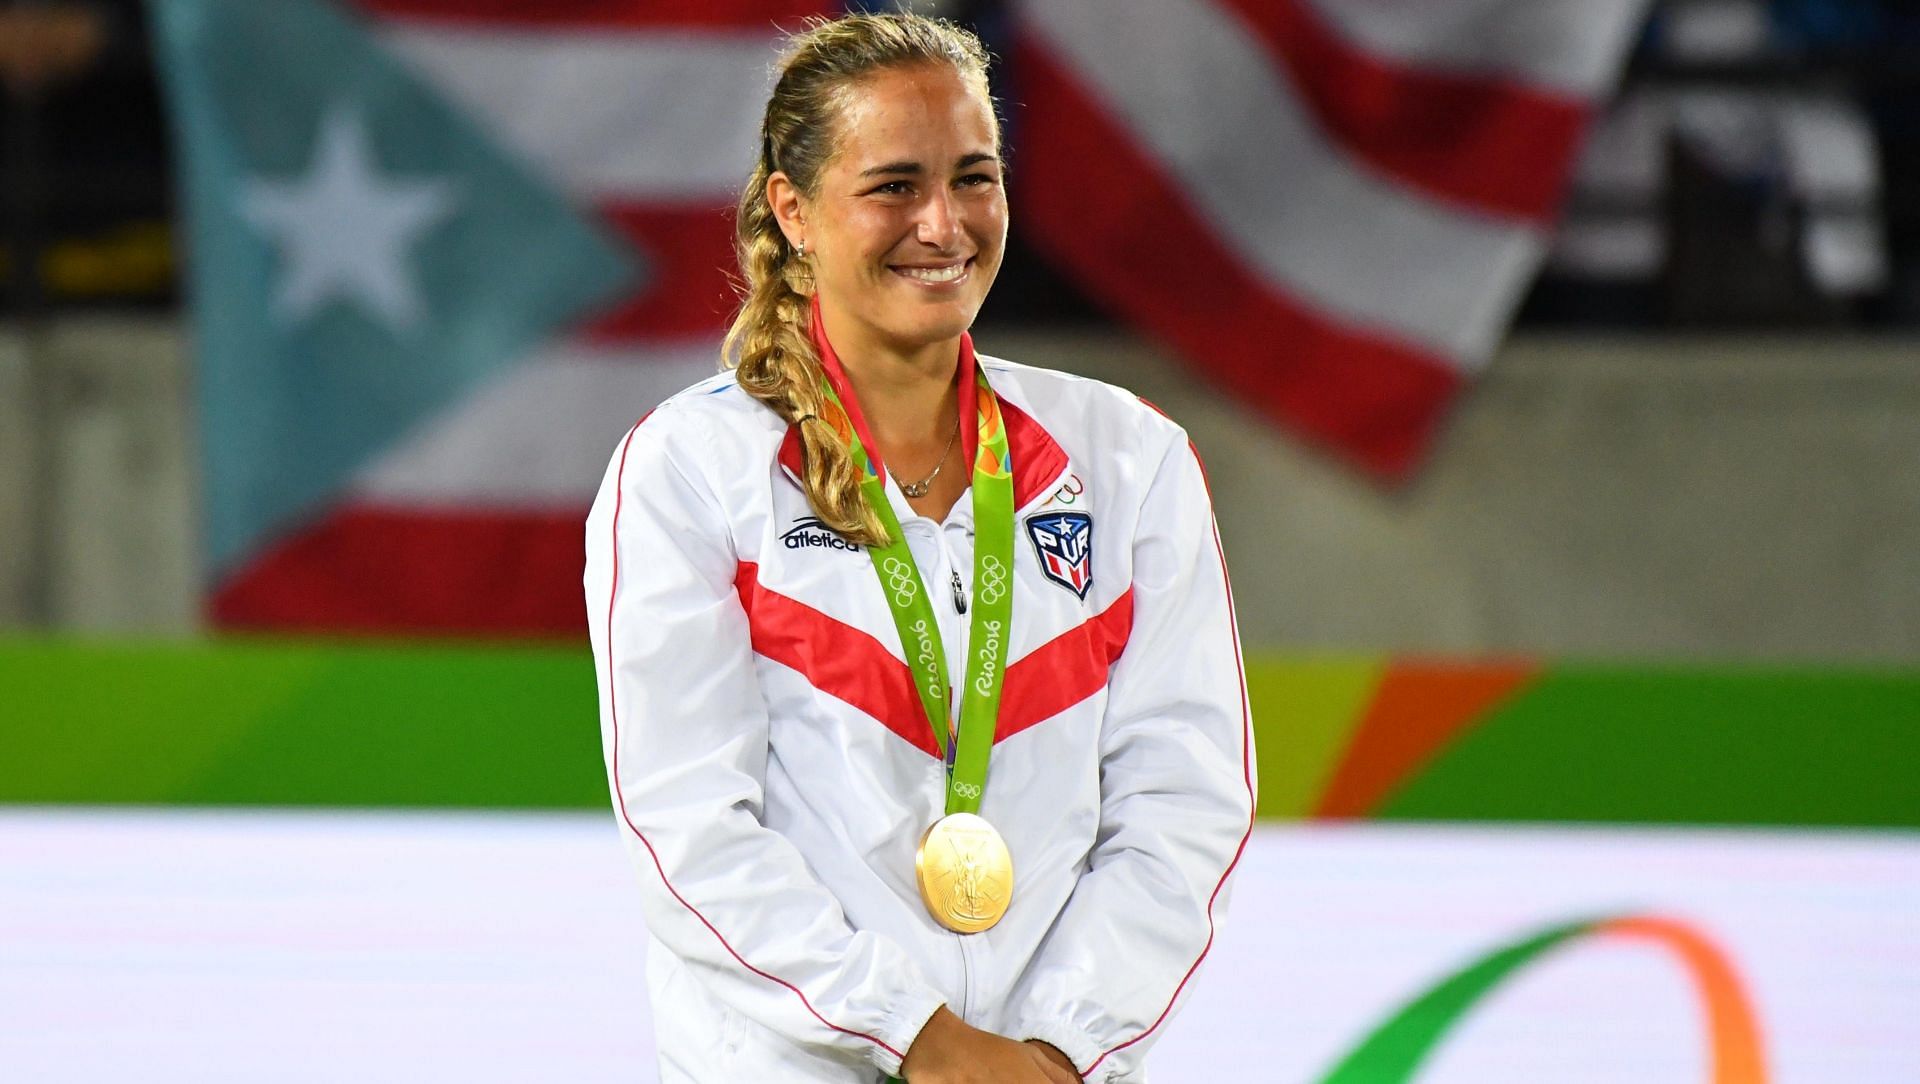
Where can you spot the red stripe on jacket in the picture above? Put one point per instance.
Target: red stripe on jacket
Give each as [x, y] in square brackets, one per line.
[854, 667]
[1065, 670]
[842, 661]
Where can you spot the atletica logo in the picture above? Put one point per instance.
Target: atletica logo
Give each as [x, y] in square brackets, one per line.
[989, 660]
[810, 533]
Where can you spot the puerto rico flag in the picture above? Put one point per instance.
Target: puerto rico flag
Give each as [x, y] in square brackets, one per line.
[444, 252]
[1327, 208]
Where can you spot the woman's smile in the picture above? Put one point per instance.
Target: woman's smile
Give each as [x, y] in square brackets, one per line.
[936, 277]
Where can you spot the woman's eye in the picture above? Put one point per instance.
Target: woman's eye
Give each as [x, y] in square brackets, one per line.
[975, 179]
[893, 188]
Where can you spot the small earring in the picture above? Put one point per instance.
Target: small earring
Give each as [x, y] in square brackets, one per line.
[801, 249]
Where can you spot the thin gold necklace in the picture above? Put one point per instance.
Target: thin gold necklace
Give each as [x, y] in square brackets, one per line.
[919, 489]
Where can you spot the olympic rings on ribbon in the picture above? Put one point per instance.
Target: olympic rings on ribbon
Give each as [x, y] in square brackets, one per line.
[993, 580]
[901, 580]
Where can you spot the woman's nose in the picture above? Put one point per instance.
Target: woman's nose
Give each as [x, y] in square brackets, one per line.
[939, 222]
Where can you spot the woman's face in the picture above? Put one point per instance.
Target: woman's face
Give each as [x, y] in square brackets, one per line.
[906, 230]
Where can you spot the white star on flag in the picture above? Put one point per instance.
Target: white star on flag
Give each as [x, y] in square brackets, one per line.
[343, 230]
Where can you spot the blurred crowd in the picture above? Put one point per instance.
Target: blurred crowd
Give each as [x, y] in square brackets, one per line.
[1760, 166]
[83, 158]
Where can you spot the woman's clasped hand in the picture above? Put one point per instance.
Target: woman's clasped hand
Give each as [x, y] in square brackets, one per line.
[949, 1051]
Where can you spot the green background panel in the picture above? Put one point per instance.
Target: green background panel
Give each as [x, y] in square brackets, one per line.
[277, 723]
[268, 722]
[1685, 745]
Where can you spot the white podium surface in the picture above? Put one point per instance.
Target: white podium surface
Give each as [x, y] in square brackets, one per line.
[197, 945]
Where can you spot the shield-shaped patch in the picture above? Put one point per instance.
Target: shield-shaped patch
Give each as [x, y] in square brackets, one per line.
[1064, 543]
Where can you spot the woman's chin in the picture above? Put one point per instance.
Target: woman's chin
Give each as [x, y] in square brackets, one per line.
[934, 322]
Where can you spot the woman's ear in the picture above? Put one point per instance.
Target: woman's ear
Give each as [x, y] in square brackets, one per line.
[789, 207]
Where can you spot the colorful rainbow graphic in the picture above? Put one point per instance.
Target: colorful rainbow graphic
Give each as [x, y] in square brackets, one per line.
[1395, 1050]
[836, 417]
[992, 431]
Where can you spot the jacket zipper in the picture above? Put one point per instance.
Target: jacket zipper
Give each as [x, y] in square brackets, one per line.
[965, 1007]
[966, 978]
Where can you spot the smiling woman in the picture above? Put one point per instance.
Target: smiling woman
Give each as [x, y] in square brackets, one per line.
[908, 219]
[880, 194]
[833, 891]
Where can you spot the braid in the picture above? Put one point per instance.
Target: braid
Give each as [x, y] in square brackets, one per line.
[770, 344]
[775, 361]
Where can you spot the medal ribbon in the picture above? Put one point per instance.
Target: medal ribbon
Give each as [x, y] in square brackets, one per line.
[965, 751]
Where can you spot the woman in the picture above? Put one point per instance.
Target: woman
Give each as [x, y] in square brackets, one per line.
[787, 564]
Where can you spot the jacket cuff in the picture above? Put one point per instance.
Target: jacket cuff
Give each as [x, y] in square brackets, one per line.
[1079, 1049]
[903, 1026]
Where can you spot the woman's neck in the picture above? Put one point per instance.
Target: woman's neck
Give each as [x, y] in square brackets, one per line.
[909, 397]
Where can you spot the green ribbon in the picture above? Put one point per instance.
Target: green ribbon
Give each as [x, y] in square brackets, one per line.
[966, 750]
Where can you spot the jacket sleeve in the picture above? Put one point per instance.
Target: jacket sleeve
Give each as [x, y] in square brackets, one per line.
[684, 729]
[1176, 800]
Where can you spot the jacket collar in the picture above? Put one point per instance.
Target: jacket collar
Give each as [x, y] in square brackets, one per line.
[1038, 460]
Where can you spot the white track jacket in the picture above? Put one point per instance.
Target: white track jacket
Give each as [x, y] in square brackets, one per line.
[772, 770]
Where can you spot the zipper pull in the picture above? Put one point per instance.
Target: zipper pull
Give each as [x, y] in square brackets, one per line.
[959, 595]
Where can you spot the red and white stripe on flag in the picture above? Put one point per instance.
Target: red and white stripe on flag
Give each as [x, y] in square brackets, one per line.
[1330, 208]
[644, 112]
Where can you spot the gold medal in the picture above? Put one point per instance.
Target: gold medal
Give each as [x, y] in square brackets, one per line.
[963, 867]
[965, 873]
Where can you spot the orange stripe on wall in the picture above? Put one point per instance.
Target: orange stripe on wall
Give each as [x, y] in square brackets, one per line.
[1419, 708]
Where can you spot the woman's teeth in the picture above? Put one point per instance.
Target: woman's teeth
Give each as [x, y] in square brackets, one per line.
[934, 274]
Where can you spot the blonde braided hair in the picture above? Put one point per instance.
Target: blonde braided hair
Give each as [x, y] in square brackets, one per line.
[770, 345]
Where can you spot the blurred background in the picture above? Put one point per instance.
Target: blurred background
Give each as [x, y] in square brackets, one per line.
[1556, 364]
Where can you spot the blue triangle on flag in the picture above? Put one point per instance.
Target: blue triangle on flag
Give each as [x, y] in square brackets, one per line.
[361, 254]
